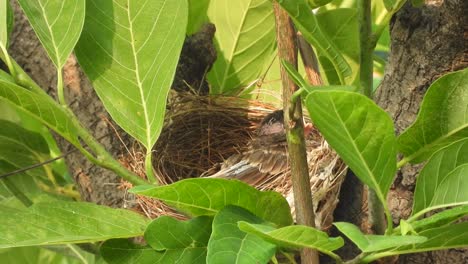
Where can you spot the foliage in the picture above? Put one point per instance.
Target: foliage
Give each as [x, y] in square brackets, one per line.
[131, 59]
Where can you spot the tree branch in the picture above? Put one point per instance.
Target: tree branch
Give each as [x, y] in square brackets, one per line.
[287, 50]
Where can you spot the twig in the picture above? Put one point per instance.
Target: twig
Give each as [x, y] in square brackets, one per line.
[310, 61]
[287, 50]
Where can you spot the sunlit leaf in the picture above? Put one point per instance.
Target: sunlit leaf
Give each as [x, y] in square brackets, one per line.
[197, 15]
[440, 219]
[228, 244]
[58, 25]
[202, 196]
[294, 237]
[41, 107]
[360, 132]
[245, 41]
[436, 171]
[441, 120]
[372, 243]
[451, 236]
[52, 223]
[129, 50]
[341, 28]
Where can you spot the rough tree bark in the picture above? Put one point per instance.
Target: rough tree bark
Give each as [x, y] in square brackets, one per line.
[426, 43]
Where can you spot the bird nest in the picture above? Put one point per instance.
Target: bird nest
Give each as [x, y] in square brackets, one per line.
[200, 133]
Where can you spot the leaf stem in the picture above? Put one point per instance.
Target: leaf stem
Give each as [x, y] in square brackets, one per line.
[149, 167]
[377, 204]
[7, 60]
[77, 253]
[60, 93]
[103, 158]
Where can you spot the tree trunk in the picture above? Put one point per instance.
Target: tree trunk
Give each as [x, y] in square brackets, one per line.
[426, 43]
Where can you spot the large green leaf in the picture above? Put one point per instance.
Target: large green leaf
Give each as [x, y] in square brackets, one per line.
[440, 219]
[129, 50]
[204, 196]
[307, 23]
[372, 243]
[52, 223]
[341, 28]
[442, 118]
[123, 251]
[20, 148]
[245, 41]
[435, 172]
[228, 244]
[58, 25]
[41, 107]
[40, 255]
[451, 236]
[188, 239]
[295, 237]
[361, 133]
[452, 190]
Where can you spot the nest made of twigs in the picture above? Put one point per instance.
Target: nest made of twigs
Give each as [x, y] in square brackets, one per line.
[200, 132]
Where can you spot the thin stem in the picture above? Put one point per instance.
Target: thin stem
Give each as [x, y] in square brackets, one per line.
[61, 95]
[386, 20]
[367, 50]
[103, 158]
[149, 168]
[7, 60]
[293, 121]
[310, 61]
[377, 205]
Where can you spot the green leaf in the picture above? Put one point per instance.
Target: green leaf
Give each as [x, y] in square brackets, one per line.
[440, 219]
[202, 196]
[317, 3]
[40, 255]
[389, 4]
[20, 148]
[360, 132]
[122, 251]
[41, 107]
[447, 237]
[297, 79]
[228, 244]
[57, 24]
[52, 223]
[245, 41]
[437, 169]
[197, 15]
[441, 120]
[373, 243]
[295, 237]
[452, 190]
[307, 23]
[188, 239]
[129, 50]
[340, 26]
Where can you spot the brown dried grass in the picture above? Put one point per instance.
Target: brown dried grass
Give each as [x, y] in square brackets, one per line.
[201, 132]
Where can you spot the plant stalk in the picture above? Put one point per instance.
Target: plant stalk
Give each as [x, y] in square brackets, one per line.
[60, 92]
[287, 50]
[310, 61]
[367, 42]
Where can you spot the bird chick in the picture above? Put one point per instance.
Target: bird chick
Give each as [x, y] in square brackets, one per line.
[266, 156]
